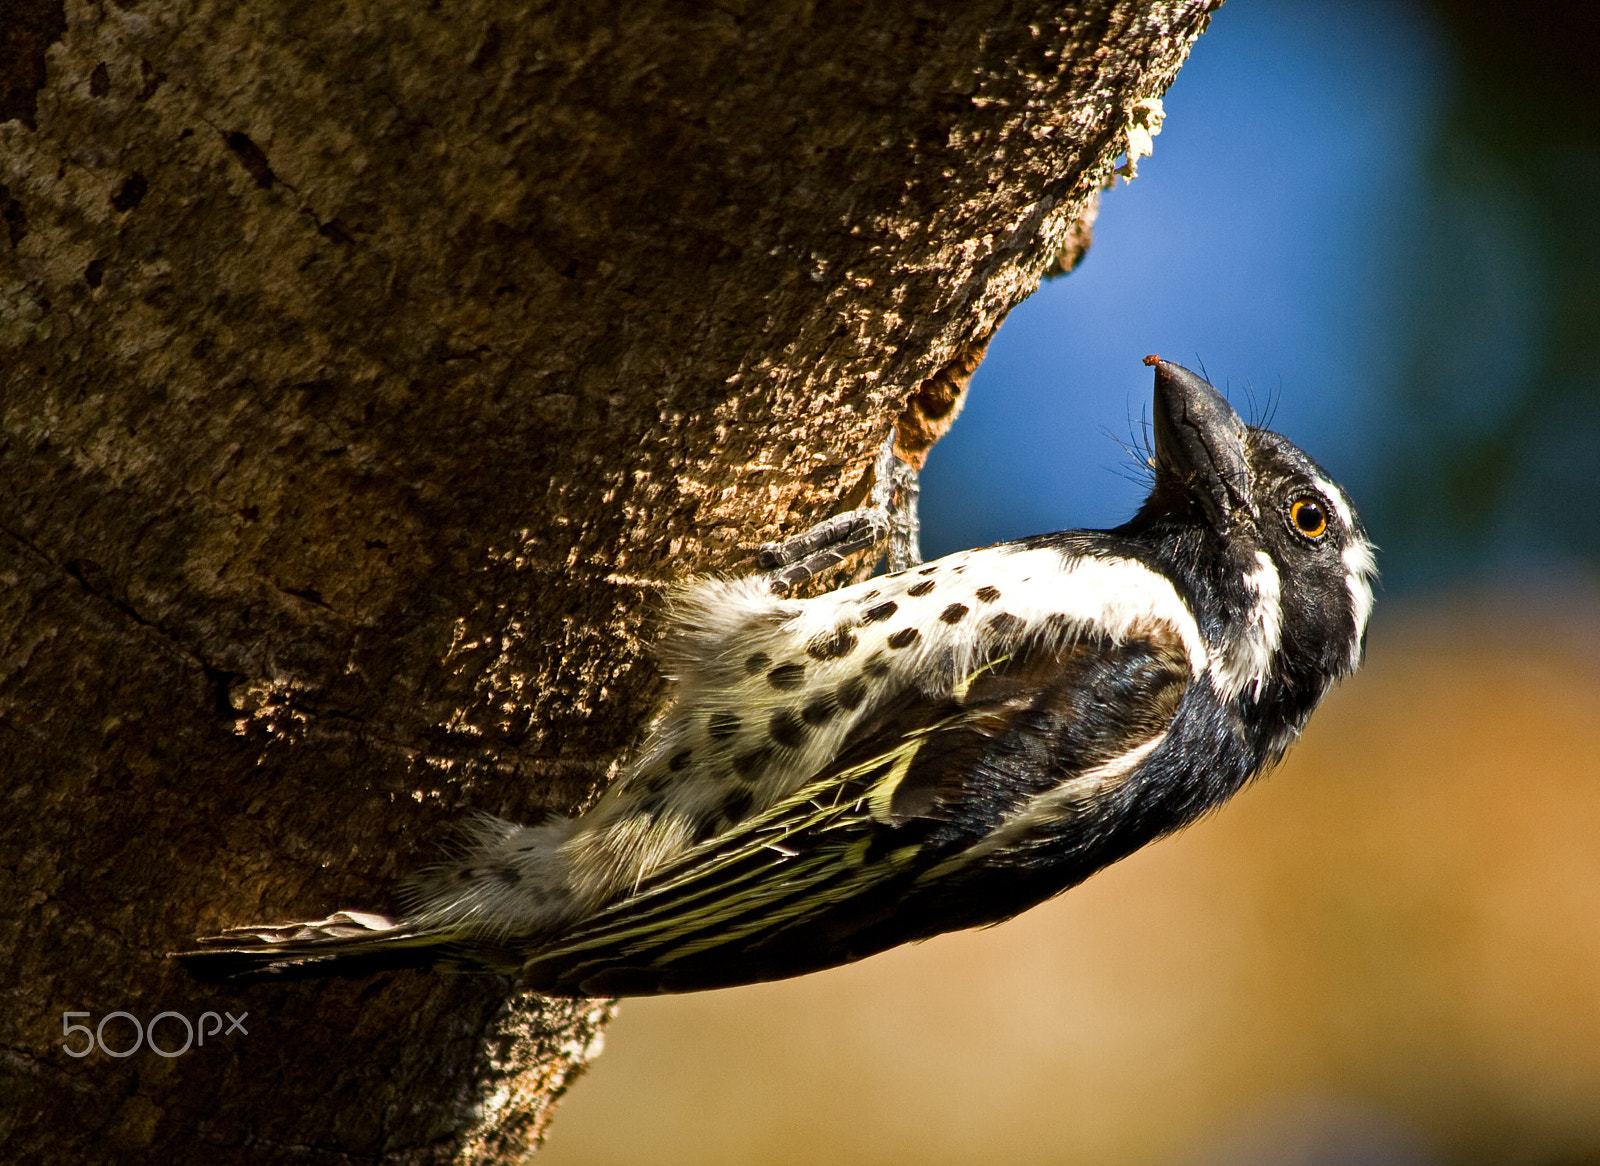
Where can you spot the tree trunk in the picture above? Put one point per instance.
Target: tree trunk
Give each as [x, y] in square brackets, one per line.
[369, 370]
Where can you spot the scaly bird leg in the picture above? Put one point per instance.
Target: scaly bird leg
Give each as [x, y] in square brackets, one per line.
[890, 515]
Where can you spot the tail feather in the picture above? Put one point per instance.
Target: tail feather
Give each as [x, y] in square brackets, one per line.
[504, 885]
[360, 942]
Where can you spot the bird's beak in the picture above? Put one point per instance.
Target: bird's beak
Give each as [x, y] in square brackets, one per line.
[1200, 441]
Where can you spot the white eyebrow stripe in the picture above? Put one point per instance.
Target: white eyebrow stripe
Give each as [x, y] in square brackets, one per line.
[1336, 497]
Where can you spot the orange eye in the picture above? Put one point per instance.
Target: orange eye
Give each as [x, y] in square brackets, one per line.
[1309, 518]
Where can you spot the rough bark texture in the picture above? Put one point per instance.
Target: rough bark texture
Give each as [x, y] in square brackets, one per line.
[368, 370]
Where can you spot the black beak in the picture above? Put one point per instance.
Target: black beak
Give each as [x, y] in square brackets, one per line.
[1200, 441]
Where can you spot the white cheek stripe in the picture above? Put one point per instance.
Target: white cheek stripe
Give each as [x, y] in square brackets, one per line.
[1360, 568]
[1336, 496]
[1248, 662]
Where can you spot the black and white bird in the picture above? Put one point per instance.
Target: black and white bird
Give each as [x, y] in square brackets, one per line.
[934, 749]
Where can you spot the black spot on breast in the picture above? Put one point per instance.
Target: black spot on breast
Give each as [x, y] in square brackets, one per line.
[958, 569]
[786, 729]
[871, 595]
[852, 692]
[680, 759]
[757, 662]
[920, 588]
[707, 827]
[721, 726]
[876, 665]
[787, 676]
[953, 613]
[1004, 623]
[988, 594]
[904, 638]
[881, 612]
[819, 710]
[737, 806]
[927, 570]
[752, 763]
[832, 645]
[509, 875]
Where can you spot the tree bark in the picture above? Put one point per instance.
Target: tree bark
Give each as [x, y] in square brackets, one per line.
[369, 370]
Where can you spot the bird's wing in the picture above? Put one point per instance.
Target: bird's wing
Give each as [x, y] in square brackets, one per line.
[931, 787]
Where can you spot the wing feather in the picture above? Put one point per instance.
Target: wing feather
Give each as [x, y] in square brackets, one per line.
[929, 786]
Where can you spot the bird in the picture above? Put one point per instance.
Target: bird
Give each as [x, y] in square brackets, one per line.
[938, 748]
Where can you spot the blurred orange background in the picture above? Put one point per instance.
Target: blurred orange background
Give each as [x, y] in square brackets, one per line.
[1388, 951]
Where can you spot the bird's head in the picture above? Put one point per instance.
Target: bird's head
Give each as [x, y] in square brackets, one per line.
[1279, 567]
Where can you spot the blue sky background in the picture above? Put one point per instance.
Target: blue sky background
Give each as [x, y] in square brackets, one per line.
[1267, 239]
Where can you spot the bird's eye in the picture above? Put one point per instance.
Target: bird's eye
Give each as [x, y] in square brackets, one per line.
[1309, 517]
